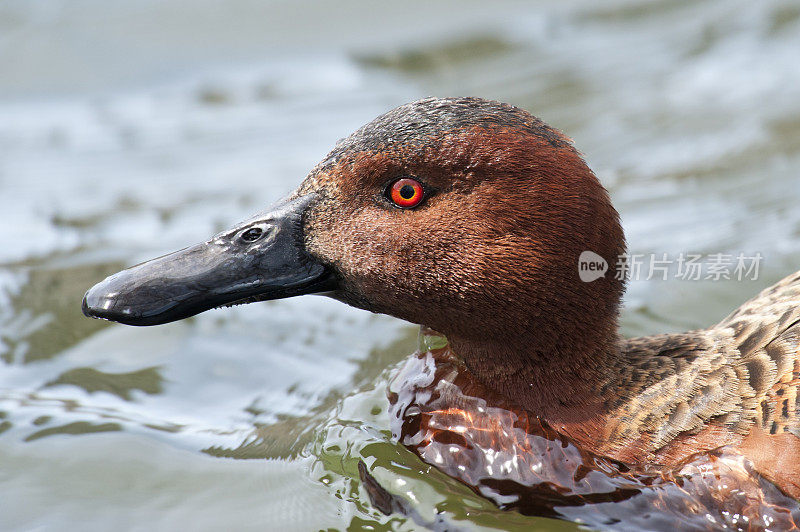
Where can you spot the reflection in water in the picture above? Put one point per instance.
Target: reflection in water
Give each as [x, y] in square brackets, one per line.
[289, 436]
[115, 147]
[76, 428]
[4, 423]
[147, 380]
[520, 463]
[431, 58]
[40, 320]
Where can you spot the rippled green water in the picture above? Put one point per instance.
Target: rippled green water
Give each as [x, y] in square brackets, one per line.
[128, 129]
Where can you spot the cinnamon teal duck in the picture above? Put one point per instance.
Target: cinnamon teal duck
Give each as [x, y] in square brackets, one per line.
[468, 216]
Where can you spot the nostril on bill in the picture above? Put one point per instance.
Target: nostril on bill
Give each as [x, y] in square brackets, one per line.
[252, 234]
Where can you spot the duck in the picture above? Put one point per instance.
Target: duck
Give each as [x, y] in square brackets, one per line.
[468, 216]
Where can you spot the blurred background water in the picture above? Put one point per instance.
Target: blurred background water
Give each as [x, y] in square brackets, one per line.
[128, 129]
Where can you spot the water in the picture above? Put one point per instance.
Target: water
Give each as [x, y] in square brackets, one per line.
[129, 129]
[522, 463]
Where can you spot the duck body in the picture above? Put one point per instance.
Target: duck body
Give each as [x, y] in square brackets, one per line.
[516, 459]
[468, 216]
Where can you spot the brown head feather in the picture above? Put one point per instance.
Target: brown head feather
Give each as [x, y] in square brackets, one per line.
[511, 206]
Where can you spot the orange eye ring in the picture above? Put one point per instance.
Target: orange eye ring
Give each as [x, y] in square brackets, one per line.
[406, 193]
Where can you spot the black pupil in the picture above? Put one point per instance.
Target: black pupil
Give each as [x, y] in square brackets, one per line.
[252, 234]
[407, 192]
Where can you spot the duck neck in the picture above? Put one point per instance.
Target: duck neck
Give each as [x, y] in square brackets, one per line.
[564, 383]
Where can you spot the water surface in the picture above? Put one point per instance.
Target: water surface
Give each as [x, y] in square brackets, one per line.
[128, 129]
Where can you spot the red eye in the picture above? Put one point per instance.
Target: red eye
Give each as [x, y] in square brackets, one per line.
[406, 193]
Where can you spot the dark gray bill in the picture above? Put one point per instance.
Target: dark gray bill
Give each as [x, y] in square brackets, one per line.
[260, 259]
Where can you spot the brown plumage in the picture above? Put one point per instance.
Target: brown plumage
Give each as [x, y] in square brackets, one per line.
[520, 461]
[717, 386]
[490, 260]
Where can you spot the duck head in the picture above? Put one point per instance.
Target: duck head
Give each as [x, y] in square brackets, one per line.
[465, 215]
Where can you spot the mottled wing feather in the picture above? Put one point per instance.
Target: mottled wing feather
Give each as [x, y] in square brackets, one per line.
[766, 332]
[676, 383]
[743, 372]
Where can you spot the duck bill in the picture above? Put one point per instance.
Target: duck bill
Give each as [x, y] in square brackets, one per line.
[260, 259]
